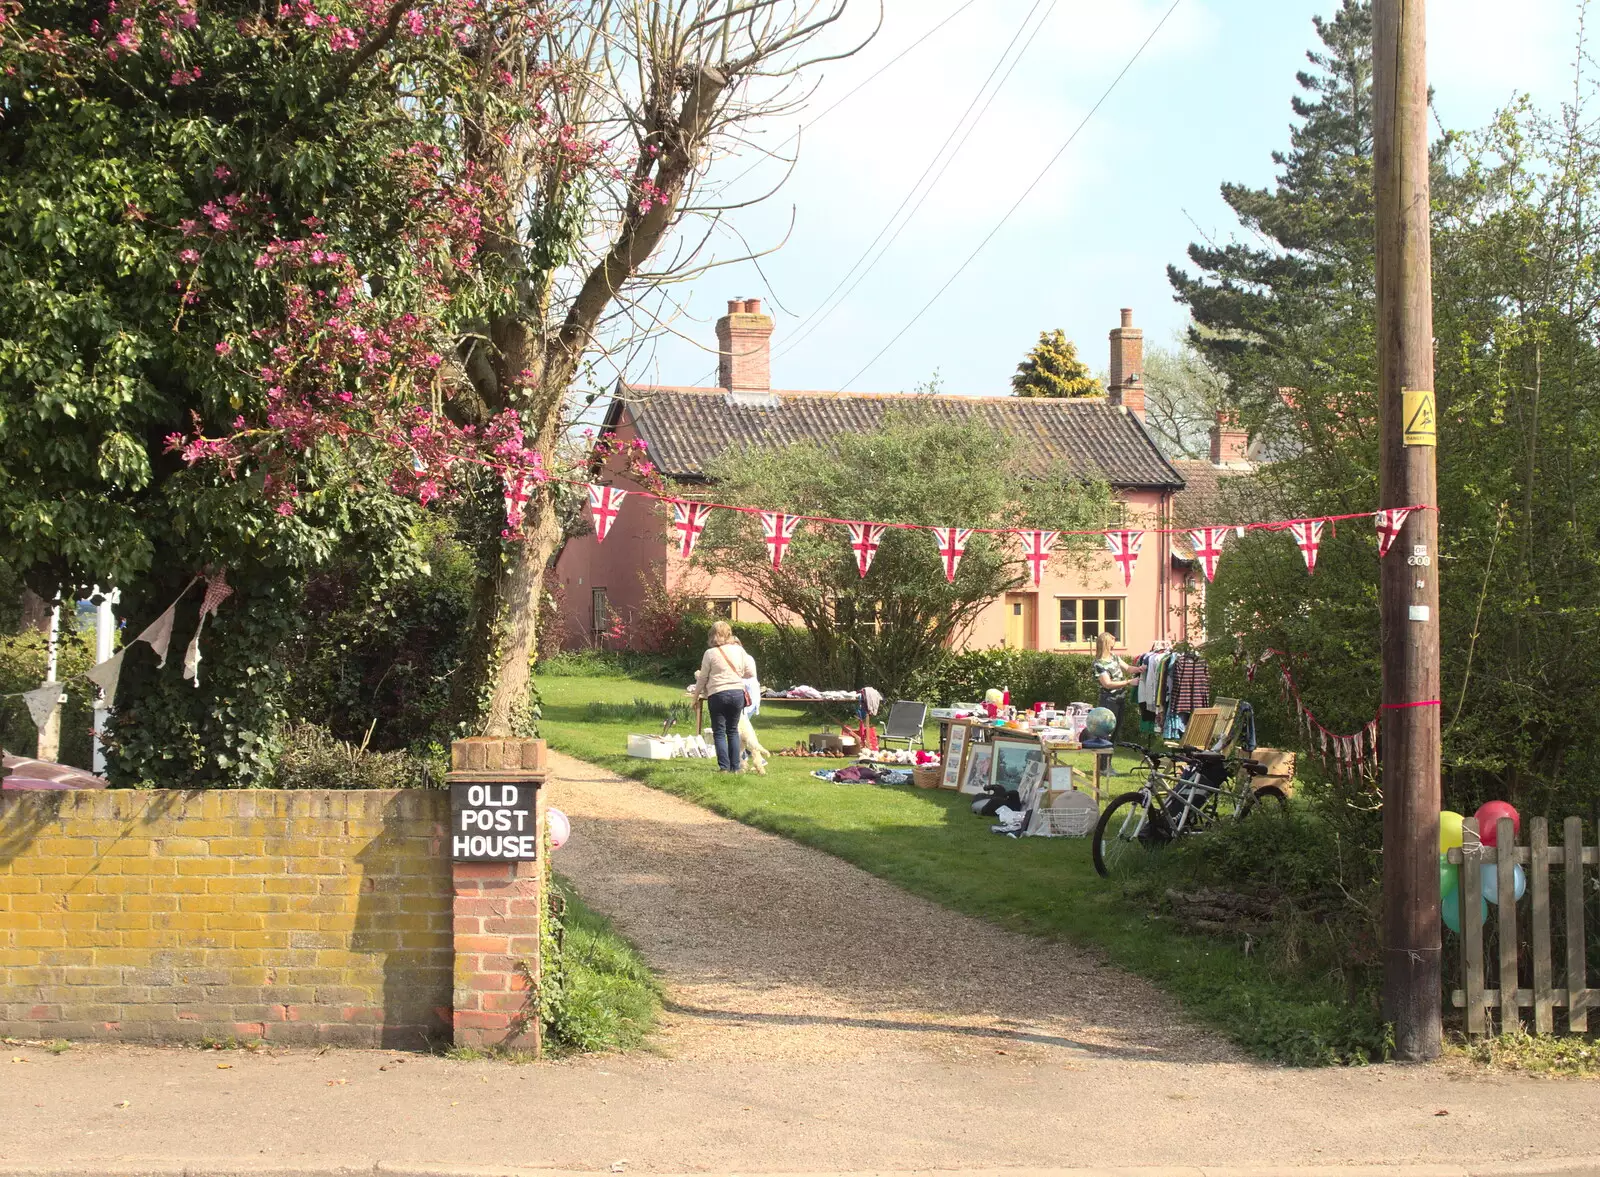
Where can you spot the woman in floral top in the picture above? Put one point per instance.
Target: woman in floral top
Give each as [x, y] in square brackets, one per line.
[1111, 673]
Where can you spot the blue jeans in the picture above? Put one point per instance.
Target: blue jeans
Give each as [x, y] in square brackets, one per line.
[726, 707]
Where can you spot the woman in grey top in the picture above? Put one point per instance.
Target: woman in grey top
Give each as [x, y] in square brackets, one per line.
[720, 682]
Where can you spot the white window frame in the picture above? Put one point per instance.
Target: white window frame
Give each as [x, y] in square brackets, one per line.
[1082, 642]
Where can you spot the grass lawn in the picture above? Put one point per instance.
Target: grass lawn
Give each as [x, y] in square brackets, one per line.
[930, 843]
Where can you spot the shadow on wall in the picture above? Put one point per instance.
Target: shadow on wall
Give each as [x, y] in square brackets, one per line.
[404, 912]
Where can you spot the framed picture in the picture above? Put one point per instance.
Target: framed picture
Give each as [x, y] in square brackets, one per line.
[1012, 759]
[954, 754]
[980, 763]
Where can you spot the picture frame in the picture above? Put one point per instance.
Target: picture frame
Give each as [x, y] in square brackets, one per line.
[980, 767]
[955, 755]
[1012, 759]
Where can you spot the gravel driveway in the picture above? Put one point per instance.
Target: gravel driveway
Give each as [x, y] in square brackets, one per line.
[772, 950]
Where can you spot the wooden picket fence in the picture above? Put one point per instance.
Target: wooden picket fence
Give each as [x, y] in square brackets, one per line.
[1542, 995]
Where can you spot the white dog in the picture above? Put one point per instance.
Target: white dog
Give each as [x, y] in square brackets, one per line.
[748, 742]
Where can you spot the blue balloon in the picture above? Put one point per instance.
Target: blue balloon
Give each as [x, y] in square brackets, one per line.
[1450, 909]
[1491, 883]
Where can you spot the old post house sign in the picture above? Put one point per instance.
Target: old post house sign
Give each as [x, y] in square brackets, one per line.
[494, 821]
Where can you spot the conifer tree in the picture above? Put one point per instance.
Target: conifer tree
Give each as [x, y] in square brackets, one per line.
[1054, 369]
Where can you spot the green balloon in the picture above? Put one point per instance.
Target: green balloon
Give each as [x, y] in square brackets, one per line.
[1449, 878]
[1451, 911]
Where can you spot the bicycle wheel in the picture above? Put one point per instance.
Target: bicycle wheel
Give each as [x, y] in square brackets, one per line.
[1128, 826]
[1270, 799]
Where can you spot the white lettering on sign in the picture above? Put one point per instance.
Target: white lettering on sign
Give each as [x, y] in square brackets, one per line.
[493, 821]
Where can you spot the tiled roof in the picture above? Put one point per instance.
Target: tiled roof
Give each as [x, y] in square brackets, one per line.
[688, 428]
[1202, 500]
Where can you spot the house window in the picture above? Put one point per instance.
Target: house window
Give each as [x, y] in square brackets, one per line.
[721, 607]
[1084, 618]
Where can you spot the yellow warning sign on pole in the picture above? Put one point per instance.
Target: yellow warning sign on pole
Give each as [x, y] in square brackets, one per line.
[1421, 426]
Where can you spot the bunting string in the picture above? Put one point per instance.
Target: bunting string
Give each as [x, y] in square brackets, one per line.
[1351, 754]
[41, 700]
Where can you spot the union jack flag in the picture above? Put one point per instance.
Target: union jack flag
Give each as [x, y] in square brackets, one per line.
[1308, 536]
[519, 489]
[952, 542]
[1124, 548]
[690, 520]
[605, 503]
[778, 530]
[1207, 543]
[1389, 524]
[864, 541]
[1036, 547]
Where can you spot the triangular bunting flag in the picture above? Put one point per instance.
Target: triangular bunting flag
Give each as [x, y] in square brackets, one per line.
[519, 489]
[778, 531]
[1389, 524]
[1124, 548]
[158, 634]
[864, 541]
[1307, 536]
[41, 703]
[690, 520]
[1036, 546]
[106, 674]
[605, 502]
[1207, 543]
[217, 591]
[952, 542]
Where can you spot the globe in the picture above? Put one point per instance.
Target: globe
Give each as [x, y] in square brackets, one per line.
[1101, 723]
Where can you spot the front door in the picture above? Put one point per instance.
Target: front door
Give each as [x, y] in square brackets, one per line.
[1021, 616]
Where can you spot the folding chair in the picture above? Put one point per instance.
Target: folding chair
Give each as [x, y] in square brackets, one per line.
[907, 718]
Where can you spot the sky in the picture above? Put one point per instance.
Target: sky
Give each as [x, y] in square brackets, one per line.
[1206, 102]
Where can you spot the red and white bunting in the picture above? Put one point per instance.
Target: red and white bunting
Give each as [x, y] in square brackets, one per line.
[1308, 536]
[1124, 548]
[952, 542]
[690, 520]
[1389, 524]
[778, 531]
[864, 541]
[605, 503]
[1207, 543]
[519, 489]
[1036, 547]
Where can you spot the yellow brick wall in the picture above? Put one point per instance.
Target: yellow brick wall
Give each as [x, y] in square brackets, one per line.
[314, 916]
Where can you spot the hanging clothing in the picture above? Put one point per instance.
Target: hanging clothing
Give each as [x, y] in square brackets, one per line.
[1192, 684]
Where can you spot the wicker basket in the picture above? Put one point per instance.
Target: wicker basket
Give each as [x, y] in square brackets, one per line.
[926, 776]
[1067, 823]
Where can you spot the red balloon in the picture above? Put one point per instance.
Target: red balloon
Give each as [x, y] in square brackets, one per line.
[1489, 815]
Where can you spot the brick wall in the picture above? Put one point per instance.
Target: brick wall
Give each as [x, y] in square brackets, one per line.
[290, 916]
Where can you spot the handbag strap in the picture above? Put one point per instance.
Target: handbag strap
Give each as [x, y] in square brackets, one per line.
[732, 665]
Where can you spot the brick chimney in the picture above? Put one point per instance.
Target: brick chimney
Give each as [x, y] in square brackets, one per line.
[744, 363]
[1127, 366]
[1230, 444]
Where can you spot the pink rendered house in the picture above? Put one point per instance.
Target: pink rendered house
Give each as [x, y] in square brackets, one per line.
[685, 428]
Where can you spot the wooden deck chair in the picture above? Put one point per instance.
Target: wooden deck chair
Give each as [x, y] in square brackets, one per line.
[907, 718]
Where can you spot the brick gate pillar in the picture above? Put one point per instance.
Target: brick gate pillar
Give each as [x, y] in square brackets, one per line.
[499, 910]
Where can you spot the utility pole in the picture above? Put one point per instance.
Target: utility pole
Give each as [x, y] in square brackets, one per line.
[1409, 574]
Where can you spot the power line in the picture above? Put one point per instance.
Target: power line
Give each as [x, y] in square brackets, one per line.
[851, 93]
[937, 294]
[922, 187]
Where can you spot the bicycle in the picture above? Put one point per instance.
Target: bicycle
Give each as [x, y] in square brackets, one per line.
[1209, 788]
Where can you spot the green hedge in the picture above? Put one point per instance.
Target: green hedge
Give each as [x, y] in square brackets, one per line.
[1030, 676]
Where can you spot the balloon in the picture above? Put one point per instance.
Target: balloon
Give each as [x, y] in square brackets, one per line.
[560, 828]
[1451, 911]
[1491, 883]
[1449, 831]
[1489, 815]
[1449, 880]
